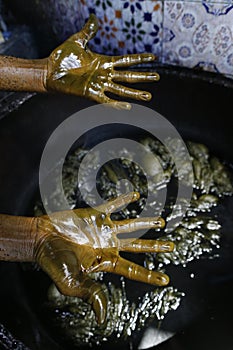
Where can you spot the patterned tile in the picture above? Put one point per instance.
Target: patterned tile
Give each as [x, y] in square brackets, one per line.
[189, 33]
[127, 26]
[219, 7]
[143, 29]
[195, 37]
[214, 5]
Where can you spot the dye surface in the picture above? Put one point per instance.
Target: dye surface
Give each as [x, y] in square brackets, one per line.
[197, 236]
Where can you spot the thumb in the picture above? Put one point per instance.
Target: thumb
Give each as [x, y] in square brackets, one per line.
[87, 32]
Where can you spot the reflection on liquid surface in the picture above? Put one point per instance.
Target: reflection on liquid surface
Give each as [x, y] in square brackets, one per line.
[198, 236]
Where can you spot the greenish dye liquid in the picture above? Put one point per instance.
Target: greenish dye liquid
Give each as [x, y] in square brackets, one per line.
[198, 235]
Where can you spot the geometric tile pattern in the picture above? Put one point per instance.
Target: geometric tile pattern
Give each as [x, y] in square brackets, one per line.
[195, 34]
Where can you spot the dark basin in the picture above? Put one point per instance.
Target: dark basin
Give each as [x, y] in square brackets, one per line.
[199, 106]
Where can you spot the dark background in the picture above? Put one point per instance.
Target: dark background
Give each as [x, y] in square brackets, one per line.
[200, 107]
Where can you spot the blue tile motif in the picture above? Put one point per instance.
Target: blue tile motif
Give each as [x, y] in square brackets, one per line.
[133, 5]
[168, 35]
[188, 20]
[132, 26]
[195, 34]
[217, 9]
[207, 66]
[189, 33]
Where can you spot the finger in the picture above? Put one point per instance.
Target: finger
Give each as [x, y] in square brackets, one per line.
[60, 263]
[136, 272]
[128, 92]
[87, 32]
[90, 291]
[135, 77]
[145, 246]
[97, 297]
[129, 60]
[112, 103]
[130, 225]
[115, 204]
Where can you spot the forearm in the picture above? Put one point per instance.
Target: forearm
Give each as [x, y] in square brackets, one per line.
[17, 74]
[18, 236]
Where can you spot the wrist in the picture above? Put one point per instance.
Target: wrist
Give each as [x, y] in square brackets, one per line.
[41, 237]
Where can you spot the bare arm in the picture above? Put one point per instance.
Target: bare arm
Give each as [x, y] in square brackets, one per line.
[70, 245]
[17, 238]
[17, 74]
[72, 68]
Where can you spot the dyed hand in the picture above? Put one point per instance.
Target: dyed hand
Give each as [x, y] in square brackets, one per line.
[74, 69]
[79, 242]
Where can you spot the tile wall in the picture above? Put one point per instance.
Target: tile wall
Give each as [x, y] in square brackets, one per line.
[194, 34]
[186, 33]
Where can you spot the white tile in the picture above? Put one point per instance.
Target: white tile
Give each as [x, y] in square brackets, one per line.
[193, 37]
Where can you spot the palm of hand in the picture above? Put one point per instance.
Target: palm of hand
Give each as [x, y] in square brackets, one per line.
[77, 243]
[71, 66]
[74, 69]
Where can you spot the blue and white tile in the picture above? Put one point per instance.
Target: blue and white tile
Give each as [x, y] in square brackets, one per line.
[143, 29]
[194, 37]
[216, 6]
[132, 26]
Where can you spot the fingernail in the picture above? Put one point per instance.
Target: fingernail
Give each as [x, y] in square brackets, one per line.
[136, 196]
[100, 308]
[159, 223]
[156, 76]
[151, 57]
[163, 280]
[146, 96]
[101, 317]
[167, 247]
[124, 105]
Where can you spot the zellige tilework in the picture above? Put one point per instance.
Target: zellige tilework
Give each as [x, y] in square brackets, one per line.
[194, 35]
[127, 26]
[188, 33]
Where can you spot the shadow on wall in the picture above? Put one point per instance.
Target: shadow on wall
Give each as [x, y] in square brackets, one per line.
[184, 33]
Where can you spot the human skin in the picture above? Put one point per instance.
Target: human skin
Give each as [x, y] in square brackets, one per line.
[70, 245]
[72, 68]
